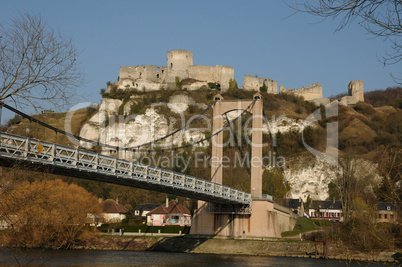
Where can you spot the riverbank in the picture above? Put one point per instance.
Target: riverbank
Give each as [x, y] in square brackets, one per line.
[189, 244]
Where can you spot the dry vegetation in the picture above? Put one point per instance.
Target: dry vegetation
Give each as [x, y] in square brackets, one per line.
[48, 213]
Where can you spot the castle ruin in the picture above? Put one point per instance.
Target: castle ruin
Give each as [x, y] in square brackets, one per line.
[253, 83]
[179, 64]
[355, 93]
[309, 93]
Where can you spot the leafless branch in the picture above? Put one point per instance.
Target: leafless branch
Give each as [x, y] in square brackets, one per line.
[380, 18]
[37, 64]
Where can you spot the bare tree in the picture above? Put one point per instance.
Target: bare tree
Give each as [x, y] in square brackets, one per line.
[381, 18]
[37, 64]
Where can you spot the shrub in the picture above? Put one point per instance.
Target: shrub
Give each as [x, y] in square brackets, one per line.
[364, 108]
[178, 82]
[233, 84]
[15, 120]
[212, 85]
[264, 88]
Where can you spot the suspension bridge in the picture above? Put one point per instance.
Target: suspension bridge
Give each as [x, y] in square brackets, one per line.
[222, 210]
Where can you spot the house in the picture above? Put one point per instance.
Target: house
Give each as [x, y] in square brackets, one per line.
[171, 213]
[386, 212]
[141, 210]
[326, 210]
[296, 205]
[112, 211]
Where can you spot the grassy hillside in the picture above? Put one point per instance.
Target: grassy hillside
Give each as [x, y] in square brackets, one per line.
[369, 131]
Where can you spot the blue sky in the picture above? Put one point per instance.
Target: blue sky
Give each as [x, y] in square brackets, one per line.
[255, 37]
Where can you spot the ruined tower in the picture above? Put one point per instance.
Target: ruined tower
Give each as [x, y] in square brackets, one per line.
[178, 64]
[355, 89]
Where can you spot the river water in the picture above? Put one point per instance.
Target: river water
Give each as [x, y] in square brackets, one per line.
[148, 258]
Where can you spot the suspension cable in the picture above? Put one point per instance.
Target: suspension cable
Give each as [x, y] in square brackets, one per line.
[273, 141]
[32, 119]
[174, 132]
[237, 143]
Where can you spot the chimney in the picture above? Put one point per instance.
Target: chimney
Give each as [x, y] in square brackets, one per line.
[100, 200]
[333, 200]
[117, 200]
[299, 199]
[167, 202]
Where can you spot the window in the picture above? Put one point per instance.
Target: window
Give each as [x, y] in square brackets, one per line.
[137, 212]
[171, 65]
[157, 75]
[388, 207]
[379, 216]
[385, 216]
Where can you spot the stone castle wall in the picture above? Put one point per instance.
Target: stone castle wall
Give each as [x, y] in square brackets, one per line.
[217, 74]
[310, 92]
[253, 83]
[355, 89]
[355, 93]
[179, 64]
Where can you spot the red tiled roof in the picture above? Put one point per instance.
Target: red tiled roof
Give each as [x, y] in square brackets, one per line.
[110, 206]
[173, 208]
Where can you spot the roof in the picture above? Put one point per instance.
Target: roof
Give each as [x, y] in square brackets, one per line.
[110, 206]
[173, 208]
[143, 207]
[384, 205]
[292, 203]
[326, 204]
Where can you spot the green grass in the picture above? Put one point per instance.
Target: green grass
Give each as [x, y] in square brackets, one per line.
[306, 226]
[172, 229]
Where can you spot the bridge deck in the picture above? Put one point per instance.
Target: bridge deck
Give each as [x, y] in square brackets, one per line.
[89, 165]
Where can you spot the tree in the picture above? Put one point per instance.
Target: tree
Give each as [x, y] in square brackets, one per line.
[355, 179]
[49, 213]
[233, 84]
[37, 64]
[274, 184]
[390, 165]
[346, 184]
[379, 18]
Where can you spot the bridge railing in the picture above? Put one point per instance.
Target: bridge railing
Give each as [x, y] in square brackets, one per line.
[23, 148]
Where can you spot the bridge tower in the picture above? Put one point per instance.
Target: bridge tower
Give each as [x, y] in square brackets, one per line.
[261, 220]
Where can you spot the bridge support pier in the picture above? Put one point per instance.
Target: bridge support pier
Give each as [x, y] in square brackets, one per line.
[261, 223]
[263, 220]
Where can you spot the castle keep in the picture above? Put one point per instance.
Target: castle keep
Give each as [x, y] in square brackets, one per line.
[180, 66]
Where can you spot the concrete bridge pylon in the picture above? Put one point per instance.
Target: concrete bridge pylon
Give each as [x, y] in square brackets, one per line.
[262, 220]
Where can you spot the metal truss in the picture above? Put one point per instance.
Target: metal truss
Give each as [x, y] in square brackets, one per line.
[228, 208]
[90, 165]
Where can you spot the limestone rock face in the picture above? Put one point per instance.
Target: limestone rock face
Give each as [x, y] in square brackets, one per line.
[195, 86]
[108, 127]
[311, 177]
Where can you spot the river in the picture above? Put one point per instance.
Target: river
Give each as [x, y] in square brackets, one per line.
[145, 258]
